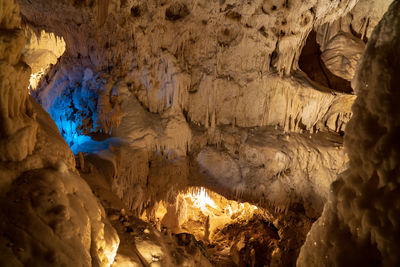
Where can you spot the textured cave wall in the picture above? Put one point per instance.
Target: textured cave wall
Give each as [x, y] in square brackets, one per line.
[19, 128]
[198, 62]
[29, 138]
[166, 79]
[208, 59]
[343, 41]
[179, 86]
[360, 223]
[49, 216]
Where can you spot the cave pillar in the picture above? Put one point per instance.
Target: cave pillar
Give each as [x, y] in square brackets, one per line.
[18, 126]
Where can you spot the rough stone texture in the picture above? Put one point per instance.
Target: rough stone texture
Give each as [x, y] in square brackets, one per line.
[67, 225]
[208, 60]
[366, 15]
[42, 49]
[17, 119]
[49, 216]
[264, 165]
[360, 223]
[171, 65]
[185, 93]
[147, 72]
[342, 41]
[141, 243]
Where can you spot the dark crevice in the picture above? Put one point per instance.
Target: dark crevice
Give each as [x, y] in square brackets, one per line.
[359, 35]
[311, 63]
[325, 74]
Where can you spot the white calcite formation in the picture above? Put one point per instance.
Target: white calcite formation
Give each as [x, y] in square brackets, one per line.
[206, 59]
[360, 224]
[41, 51]
[341, 54]
[153, 154]
[343, 41]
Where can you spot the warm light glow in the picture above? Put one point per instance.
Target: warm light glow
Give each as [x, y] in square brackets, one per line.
[201, 199]
[201, 212]
[110, 253]
[34, 80]
[212, 204]
[42, 51]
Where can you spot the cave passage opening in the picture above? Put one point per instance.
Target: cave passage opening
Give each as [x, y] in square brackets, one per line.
[70, 97]
[233, 233]
[42, 51]
[311, 63]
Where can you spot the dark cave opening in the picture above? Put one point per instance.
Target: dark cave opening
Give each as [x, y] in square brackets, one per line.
[311, 63]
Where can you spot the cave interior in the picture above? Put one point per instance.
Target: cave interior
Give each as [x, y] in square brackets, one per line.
[199, 133]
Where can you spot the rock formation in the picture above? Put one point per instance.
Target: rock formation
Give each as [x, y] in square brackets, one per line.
[18, 123]
[359, 225]
[247, 99]
[188, 63]
[49, 215]
[41, 51]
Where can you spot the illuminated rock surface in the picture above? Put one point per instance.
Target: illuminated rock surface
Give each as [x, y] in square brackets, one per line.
[41, 52]
[67, 225]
